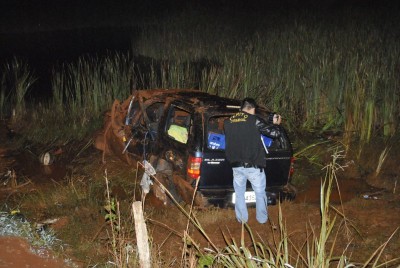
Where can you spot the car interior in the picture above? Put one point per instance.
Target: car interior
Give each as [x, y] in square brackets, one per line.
[179, 125]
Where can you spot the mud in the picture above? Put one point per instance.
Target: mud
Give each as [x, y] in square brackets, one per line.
[16, 253]
[29, 165]
[343, 190]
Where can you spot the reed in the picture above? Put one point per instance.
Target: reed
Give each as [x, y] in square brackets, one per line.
[3, 96]
[382, 157]
[81, 92]
[324, 76]
[342, 79]
[338, 73]
[18, 78]
[88, 86]
[120, 245]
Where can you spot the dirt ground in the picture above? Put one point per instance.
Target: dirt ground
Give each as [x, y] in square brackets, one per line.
[16, 253]
[370, 204]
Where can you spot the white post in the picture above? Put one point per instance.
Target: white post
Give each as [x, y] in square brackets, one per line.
[141, 235]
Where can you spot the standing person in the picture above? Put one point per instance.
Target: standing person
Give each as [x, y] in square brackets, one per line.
[245, 151]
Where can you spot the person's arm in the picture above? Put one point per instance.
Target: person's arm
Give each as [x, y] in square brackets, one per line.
[270, 130]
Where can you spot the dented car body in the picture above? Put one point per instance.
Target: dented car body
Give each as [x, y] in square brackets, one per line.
[180, 133]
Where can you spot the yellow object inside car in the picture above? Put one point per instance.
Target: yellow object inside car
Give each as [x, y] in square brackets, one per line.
[178, 133]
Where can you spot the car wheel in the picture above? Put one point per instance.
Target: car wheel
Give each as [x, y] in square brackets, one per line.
[289, 192]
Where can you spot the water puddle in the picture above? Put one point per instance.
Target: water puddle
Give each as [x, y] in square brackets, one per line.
[28, 165]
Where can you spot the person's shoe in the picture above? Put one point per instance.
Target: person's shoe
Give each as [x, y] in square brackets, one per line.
[264, 222]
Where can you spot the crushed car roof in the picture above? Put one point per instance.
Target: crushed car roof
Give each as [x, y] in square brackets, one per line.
[193, 97]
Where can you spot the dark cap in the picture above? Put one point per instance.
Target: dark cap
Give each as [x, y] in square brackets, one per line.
[248, 103]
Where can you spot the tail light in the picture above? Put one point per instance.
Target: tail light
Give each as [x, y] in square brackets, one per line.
[291, 170]
[193, 167]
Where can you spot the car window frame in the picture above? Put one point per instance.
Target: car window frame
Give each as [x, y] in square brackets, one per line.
[174, 105]
[208, 131]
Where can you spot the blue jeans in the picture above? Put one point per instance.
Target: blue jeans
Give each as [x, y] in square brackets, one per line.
[258, 183]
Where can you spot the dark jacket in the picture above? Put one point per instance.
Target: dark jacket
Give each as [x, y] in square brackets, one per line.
[243, 138]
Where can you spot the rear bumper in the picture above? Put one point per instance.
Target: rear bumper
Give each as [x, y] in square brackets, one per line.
[223, 198]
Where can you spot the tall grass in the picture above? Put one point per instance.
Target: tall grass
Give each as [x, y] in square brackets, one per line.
[3, 95]
[81, 92]
[90, 85]
[320, 76]
[16, 80]
[327, 72]
[120, 246]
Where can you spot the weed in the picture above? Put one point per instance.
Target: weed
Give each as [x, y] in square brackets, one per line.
[381, 160]
[121, 245]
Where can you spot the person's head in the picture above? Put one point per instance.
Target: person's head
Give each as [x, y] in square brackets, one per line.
[249, 105]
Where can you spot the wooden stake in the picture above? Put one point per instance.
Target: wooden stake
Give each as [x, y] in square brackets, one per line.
[141, 235]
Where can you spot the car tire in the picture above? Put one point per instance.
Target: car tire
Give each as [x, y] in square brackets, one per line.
[289, 192]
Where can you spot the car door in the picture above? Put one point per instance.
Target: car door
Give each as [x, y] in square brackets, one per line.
[176, 137]
[216, 172]
[279, 157]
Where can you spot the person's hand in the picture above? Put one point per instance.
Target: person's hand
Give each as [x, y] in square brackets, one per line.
[277, 119]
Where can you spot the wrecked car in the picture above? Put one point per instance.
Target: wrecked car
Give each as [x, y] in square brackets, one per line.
[180, 133]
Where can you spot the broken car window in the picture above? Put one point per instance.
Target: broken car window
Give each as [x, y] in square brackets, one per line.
[134, 109]
[154, 113]
[215, 131]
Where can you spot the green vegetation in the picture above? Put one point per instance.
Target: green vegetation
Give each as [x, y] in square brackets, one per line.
[321, 76]
[88, 86]
[15, 82]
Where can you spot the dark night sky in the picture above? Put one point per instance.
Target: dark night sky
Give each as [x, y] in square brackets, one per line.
[37, 15]
[21, 20]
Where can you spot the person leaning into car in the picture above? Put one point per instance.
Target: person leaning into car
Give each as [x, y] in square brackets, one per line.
[245, 152]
